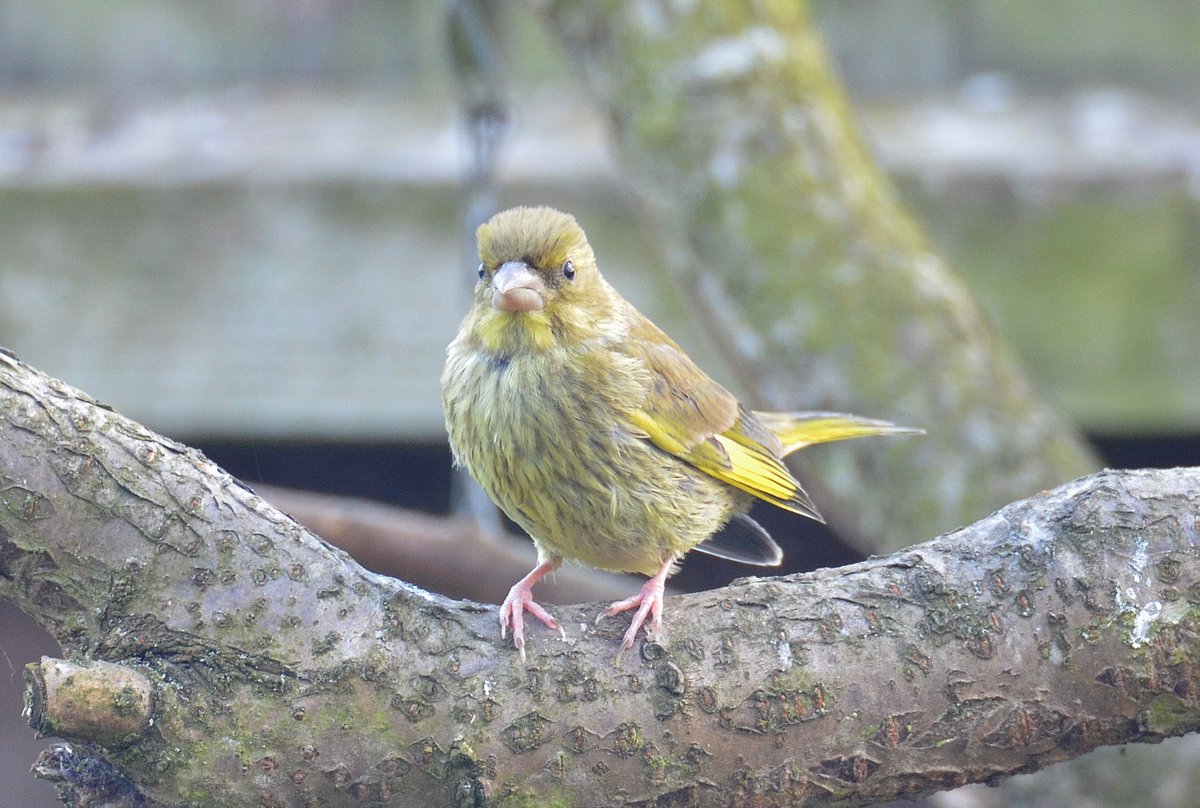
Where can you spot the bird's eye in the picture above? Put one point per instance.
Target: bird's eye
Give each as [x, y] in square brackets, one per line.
[568, 271]
[482, 272]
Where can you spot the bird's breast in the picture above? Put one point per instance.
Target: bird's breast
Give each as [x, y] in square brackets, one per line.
[549, 438]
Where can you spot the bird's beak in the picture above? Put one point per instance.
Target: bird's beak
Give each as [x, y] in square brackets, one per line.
[516, 287]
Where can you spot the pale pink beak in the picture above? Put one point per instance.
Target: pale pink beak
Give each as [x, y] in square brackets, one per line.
[516, 287]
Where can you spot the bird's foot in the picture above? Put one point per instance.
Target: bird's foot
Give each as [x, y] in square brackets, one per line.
[648, 602]
[520, 600]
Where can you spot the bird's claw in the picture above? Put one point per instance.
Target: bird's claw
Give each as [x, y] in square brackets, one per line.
[648, 602]
[512, 612]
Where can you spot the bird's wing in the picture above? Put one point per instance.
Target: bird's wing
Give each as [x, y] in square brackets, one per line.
[690, 416]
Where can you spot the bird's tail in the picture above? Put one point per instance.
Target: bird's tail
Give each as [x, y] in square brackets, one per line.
[796, 430]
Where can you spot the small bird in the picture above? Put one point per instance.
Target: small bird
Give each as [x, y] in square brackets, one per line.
[597, 434]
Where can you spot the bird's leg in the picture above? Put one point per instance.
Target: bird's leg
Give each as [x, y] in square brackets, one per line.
[520, 600]
[648, 602]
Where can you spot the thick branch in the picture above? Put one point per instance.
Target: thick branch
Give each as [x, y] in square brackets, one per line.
[284, 674]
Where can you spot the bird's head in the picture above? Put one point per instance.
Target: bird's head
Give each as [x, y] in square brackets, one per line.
[538, 282]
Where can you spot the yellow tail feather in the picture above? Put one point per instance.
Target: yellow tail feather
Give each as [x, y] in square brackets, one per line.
[796, 430]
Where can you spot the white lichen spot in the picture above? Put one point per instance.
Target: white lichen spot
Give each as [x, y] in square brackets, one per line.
[488, 683]
[1146, 618]
[1038, 534]
[783, 649]
[736, 57]
[1138, 561]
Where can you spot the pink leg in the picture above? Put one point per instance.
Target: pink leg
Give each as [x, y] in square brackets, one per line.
[648, 602]
[520, 600]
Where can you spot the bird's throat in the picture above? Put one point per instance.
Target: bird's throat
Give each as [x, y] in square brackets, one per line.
[510, 333]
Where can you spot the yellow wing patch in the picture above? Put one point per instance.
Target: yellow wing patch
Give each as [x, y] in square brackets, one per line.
[757, 472]
[731, 458]
[660, 437]
[690, 416]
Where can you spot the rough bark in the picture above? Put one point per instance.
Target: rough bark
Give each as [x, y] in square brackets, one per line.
[281, 673]
[741, 149]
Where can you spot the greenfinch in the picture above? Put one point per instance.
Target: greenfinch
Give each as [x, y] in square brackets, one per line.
[592, 430]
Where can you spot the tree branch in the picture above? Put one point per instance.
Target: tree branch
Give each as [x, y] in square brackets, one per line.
[282, 673]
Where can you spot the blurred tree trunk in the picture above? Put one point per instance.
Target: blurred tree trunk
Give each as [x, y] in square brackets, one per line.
[743, 153]
[218, 654]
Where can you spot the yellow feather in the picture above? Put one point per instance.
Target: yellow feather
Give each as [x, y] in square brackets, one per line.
[653, 430]
[731, 458]
[796, 430]
[755, 471]
[504, 333]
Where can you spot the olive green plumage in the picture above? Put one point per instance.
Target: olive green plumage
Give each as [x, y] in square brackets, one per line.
[591, 428]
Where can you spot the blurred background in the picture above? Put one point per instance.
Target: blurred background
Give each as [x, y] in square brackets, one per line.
[241, 223]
